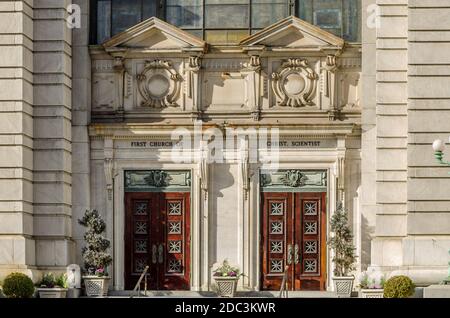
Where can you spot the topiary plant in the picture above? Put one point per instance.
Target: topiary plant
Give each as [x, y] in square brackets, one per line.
[95, 257]
[18, 285]
[342, 243]
[399, 287]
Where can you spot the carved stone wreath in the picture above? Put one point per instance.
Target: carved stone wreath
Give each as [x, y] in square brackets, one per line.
[294, 178]
[295, 83]
[159, 84]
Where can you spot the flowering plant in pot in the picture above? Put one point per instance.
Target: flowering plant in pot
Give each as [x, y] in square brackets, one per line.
[95, 255]
[371, 284]
[344, 253]
[226, 277]
[53, 287]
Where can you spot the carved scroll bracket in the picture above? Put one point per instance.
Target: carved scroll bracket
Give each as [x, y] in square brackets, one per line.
[252, 73]
[109, 176]
[330, 86]
[108, 164]
[204, 168]
[341, 168]
[193, 83]
[121, 74]
[245, 167]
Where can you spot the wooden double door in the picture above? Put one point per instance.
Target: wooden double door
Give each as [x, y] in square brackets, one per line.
[157, 235]
[293, 240]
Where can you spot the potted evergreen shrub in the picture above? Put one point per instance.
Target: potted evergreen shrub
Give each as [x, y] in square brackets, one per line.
[399, 287]
[344, 253]
[53, 287]
[95, 255]
[18, 285]
[226, 277]
[371, 284]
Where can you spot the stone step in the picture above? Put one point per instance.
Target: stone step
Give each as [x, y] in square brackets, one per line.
[244, 294]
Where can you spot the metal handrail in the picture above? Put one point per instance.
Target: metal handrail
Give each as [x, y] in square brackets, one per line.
[138, 284]
[284, 287]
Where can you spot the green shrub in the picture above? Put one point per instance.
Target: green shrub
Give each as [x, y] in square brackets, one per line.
[61, 281]
[50, 281]
[47, 281]
[399, 287]
[18, 285]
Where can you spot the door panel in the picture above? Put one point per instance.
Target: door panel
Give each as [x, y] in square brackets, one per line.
[140, 236]
[276, 235]
[293, 235]
[175, 213]
[157, 234]
[311, 267]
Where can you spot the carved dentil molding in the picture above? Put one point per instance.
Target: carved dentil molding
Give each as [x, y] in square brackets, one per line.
[159, 84]
[294, 83]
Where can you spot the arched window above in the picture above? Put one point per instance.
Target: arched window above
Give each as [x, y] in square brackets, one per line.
[225, 21]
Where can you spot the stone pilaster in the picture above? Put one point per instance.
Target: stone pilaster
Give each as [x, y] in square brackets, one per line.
[368, 135]
[426, 248]
[81, 107]
[17, 247]
[52, 133]
[391, 134]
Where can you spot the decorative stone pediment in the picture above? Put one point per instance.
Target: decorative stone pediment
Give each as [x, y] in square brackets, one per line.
[293, 32]
[155, 35]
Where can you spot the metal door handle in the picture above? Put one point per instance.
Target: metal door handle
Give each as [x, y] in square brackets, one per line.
[160, 253]
[154, 251]
[289, 260]
[297, 257]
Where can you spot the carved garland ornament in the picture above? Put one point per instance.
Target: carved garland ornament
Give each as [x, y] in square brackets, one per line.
[159, 84]
[294, 83]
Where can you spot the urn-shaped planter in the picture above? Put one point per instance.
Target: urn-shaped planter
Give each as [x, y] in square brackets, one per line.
[96, 286]
[343, 286]
[371, 293]
[226, 286]
[52, 292]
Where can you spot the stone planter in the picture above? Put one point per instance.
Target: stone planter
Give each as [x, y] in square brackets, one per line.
[226, 286]
[96, 286]
[371, 293]
[343, 286]
[52, 292]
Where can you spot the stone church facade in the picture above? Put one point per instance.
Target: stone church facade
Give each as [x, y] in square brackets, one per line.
[170, 127]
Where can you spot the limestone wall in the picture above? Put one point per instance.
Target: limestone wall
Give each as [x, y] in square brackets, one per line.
[52, 134]
[425, 251]
[17, 247]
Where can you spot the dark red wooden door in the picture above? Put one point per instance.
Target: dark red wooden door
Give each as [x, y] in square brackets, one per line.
[157, 235]
[293, 237]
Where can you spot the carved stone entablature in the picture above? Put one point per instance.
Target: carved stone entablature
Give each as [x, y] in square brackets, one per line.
[295, 83]
[159, 84]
